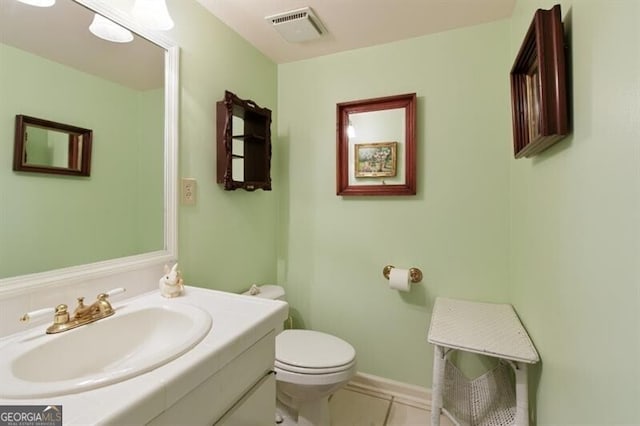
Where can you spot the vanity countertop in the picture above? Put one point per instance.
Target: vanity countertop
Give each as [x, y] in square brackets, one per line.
[237, 323]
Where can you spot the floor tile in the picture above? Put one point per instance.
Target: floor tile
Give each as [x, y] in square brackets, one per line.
[284, 416]
[356, 409]
[353, 408]
[406, 415]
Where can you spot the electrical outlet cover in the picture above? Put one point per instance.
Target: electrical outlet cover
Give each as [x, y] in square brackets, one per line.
[188, 191]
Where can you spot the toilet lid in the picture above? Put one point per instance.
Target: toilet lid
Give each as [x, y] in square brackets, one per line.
[312, 349]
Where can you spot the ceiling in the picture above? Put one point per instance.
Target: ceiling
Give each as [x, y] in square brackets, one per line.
[352, 24]
[63, 36]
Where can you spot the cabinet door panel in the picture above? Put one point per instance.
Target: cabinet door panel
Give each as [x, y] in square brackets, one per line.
[257, 407]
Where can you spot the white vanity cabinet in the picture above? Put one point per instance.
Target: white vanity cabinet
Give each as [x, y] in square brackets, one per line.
[240, 393]
[225, 379]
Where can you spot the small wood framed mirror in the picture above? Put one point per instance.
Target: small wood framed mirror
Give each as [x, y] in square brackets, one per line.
[43, 146]
[539, 101]
[376, 146]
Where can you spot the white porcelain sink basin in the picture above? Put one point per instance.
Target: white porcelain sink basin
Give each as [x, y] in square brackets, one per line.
[136, 339]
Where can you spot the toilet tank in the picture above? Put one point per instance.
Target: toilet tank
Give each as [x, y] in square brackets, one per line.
[275, 292]
[266, 291]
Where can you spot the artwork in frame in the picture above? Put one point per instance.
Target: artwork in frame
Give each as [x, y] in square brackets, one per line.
[375, 159]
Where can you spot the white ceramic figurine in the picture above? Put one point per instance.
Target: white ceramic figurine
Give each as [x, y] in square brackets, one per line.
[171, 283]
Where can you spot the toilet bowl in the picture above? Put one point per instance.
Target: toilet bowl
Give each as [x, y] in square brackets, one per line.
[310, 366]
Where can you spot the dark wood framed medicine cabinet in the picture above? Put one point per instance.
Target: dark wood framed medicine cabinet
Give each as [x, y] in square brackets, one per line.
[243, 144]
[538, 77]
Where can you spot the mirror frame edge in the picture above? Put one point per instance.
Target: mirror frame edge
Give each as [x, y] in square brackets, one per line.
[59, 277]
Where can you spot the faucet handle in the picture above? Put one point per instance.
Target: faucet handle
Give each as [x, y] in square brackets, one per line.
[62, 314]
[114, 292]
[34, 315]
[103, 304]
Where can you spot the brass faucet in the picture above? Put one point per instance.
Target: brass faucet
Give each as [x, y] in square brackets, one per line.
[82, 315]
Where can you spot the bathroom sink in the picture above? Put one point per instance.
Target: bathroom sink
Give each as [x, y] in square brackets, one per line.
[135, 340]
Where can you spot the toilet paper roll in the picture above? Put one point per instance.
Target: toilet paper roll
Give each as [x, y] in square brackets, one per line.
[399, 279]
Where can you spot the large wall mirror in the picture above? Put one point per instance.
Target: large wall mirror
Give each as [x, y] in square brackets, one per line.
[122, 216]
[376, 146]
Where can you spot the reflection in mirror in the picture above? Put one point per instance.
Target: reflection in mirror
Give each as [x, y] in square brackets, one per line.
[377, 128]
[374, 160]
[44, 146]
[123, 216]
[376, 146]
[237, 149]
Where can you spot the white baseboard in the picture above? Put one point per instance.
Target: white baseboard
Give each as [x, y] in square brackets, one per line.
[380, 387]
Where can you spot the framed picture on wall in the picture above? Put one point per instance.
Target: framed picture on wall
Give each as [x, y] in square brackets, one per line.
[375, 159]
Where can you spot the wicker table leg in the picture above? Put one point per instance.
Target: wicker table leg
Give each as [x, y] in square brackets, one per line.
[522, 394]
[438, 384]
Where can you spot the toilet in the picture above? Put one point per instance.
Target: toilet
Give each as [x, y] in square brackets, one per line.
[310, 366]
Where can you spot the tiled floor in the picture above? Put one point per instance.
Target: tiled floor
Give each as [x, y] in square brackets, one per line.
[353, 408]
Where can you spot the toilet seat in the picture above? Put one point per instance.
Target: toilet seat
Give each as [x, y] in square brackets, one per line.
[306, 370]
[312, 352]
[328, 379]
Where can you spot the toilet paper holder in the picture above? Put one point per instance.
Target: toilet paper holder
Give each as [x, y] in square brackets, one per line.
[415, 274]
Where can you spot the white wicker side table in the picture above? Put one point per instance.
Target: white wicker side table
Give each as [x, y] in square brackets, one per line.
[489, 329]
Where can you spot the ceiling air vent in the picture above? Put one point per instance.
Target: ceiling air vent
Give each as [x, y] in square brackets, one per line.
[297, 25]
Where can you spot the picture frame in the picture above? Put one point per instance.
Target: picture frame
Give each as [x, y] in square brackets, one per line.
[371, 121]
[375, 159]
[538, 79]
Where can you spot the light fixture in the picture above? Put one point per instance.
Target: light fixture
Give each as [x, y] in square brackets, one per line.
[351, 131]
[39, 3]
[109, 30]
[152, 14]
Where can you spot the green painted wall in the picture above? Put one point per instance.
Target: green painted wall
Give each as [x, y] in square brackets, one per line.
[49, 221]
[228, 239]
[333, 249]
[38, 150]
[557, 236]
[575, 233]
[150, 168]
